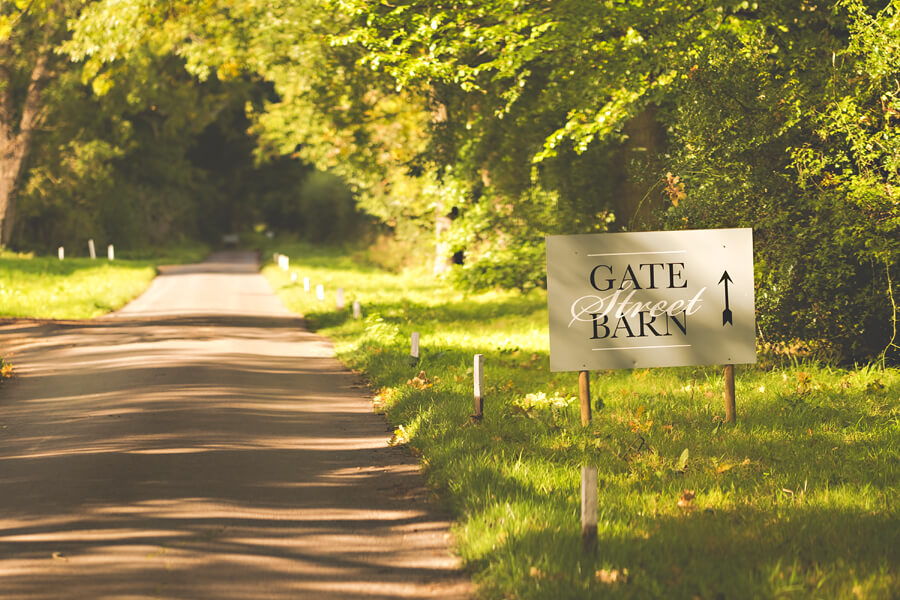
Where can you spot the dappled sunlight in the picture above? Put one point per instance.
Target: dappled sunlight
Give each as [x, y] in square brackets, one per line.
[204, 456]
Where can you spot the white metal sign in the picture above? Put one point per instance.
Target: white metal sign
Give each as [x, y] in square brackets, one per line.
[656, 299]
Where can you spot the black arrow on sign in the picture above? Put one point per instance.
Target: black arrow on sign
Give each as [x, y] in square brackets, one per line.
[726, 314]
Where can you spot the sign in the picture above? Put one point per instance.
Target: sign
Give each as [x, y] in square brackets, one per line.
[656, 299]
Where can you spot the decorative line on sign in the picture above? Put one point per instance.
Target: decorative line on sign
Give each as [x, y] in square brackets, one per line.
[640, 348]
[640, 253]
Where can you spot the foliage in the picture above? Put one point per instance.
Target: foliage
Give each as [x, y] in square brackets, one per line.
[777, 117]
[799, 498]
[822, 207]
[511, 119]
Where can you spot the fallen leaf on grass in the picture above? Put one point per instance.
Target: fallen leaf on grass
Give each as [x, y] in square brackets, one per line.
[399, 438]
[420, 381]
[611, 576]
[686, 502]
[727, 466]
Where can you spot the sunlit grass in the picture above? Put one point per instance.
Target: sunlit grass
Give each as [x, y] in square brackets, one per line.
[798, 500]
[77, 288]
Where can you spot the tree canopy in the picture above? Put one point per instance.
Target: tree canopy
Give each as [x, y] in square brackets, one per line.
[487, 124]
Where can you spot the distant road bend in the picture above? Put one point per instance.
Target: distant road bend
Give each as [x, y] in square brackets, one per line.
[200, 443]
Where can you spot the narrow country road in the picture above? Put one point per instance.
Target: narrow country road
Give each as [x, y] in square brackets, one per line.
[201, 444]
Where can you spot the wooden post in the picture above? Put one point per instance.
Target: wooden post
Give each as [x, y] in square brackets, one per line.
[589, 508]
[110, 252]
[340, 298]
[357, 310]
[730, 412]
[478, 381]
[61, 252]
[584, 392]
[91, 249]
[414, 345]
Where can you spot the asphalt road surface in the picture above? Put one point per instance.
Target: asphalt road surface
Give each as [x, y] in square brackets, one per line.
[200, 443]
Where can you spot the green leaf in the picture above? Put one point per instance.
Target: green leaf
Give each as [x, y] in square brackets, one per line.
[683, 460]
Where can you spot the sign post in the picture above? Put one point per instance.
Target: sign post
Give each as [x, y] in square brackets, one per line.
[584, 394]
[730, 409]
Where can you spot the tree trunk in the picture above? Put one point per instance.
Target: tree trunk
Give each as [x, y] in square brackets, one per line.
[10, 169]
[15, 143]
[635, 207]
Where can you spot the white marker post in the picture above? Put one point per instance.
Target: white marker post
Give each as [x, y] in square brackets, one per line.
[306, 284]
[320, 292]
[61, 252]
[284, 262]
[110, 252]
[357, 310]
[91, 249]
[293, 277]
[340, 298]
[478, 380]
[414, 345]
[589, 508]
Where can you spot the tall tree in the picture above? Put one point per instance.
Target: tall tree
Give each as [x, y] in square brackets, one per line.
[30, 31]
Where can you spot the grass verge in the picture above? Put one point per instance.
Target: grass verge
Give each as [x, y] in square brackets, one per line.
[79, 288]
[798, 500]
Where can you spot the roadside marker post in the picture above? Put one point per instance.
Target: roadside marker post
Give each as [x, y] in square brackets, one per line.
[110, 252]
[340, 299]
[589, 508]
[306, 284]
[478, 387]
[357, 310]
[414, 345]
[320, 292]
[293, 277]
[61, 252]
[91, 250]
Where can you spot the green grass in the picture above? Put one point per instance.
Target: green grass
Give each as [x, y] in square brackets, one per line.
[798, 500]
[78, 288]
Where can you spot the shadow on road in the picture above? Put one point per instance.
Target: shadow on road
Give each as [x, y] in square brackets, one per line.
[203, 457]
